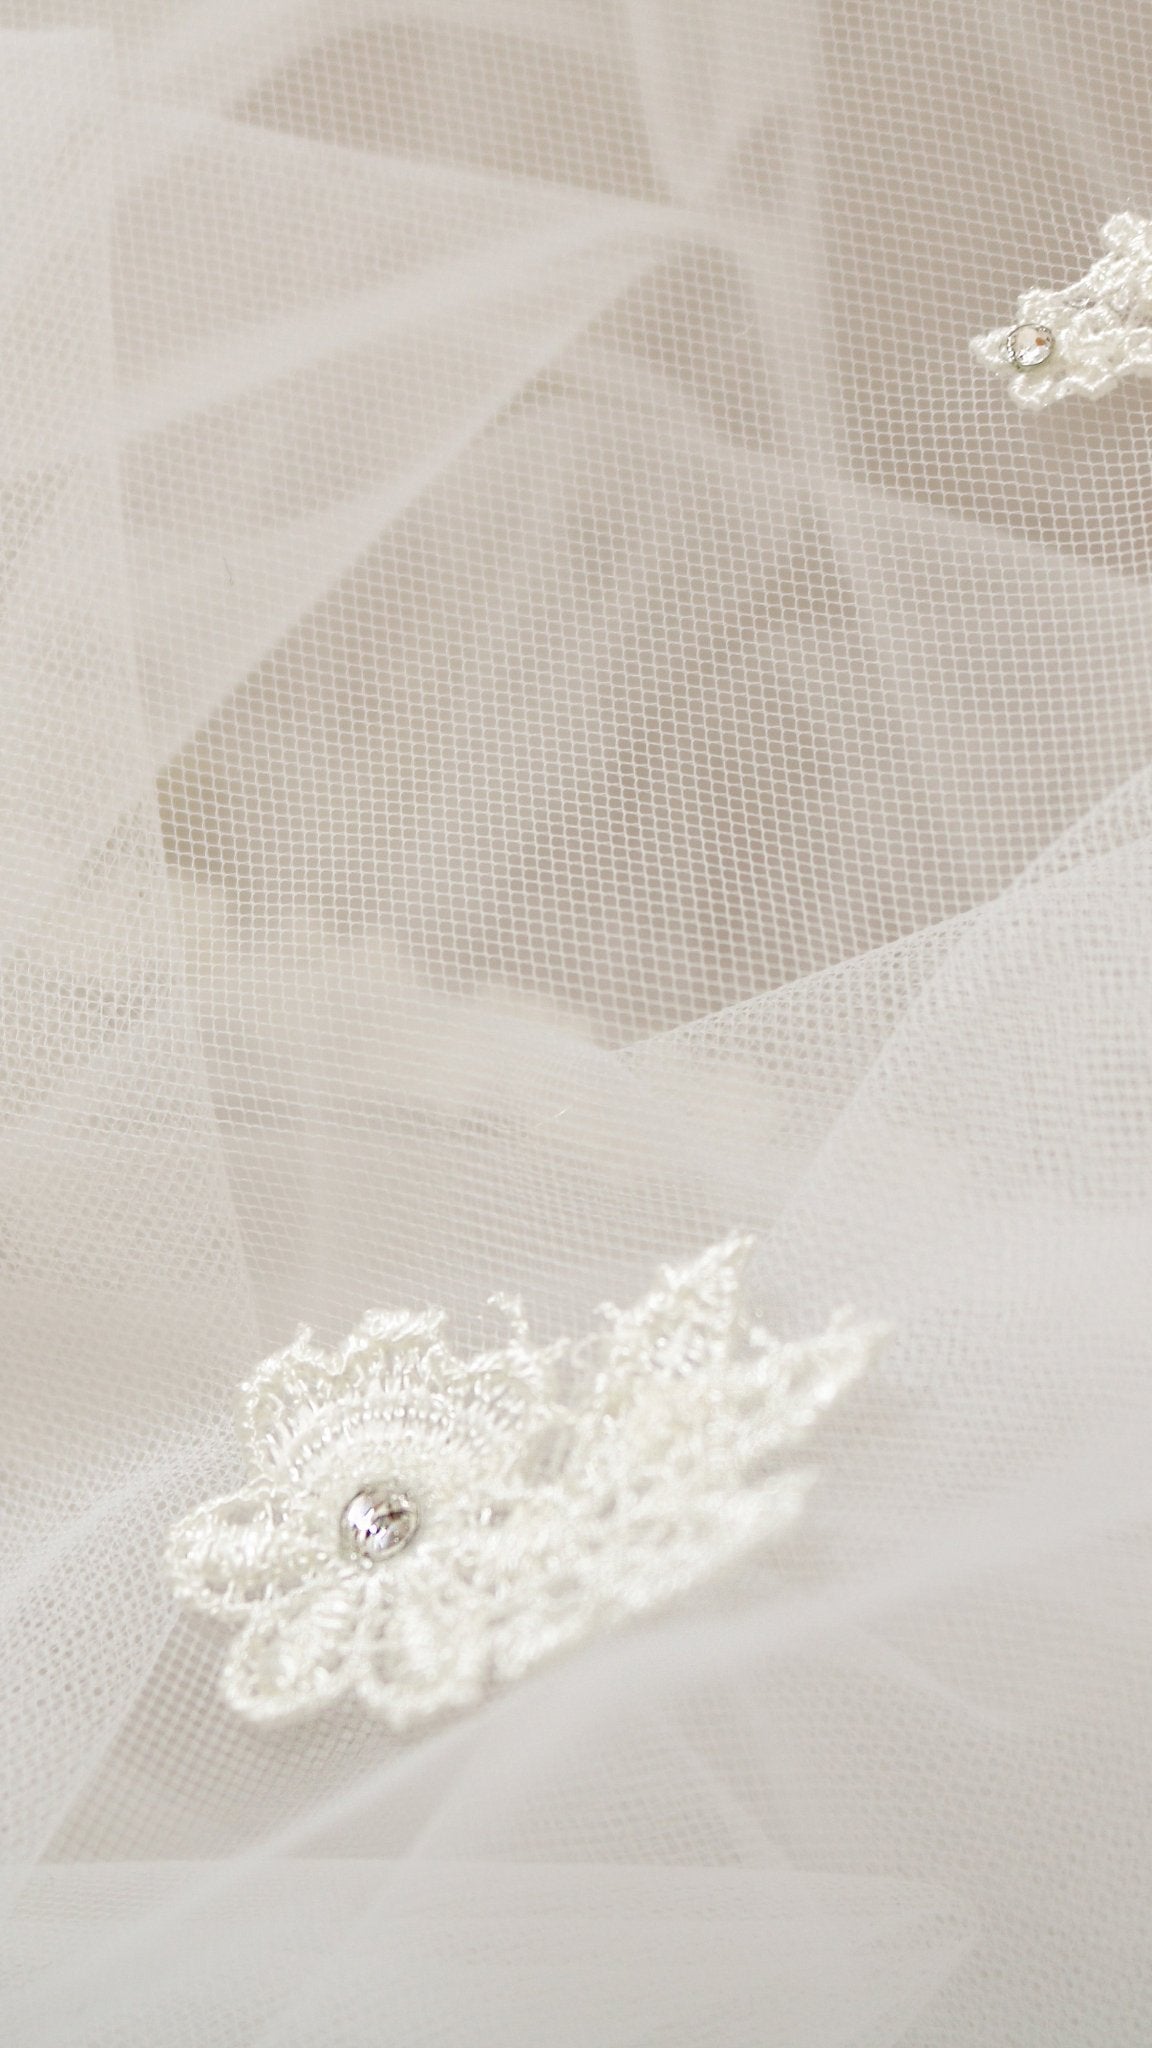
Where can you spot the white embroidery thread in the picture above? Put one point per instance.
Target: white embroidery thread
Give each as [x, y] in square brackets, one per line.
[1101, 327]
[419, 1529]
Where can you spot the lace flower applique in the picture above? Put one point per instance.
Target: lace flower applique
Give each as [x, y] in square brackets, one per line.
[419, 1528]
[1087, 337]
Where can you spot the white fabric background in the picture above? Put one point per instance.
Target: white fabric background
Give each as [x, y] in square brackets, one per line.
[550, 711]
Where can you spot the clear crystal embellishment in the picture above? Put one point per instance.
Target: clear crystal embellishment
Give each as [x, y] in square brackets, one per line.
[1028, 345]
[376, 1522]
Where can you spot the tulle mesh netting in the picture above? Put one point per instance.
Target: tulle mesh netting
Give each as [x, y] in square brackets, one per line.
[552, 711]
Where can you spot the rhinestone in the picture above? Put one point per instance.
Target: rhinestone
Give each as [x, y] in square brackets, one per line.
[1028, 346]
[376, 1522]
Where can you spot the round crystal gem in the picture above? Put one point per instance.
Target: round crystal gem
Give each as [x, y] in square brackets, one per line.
[1029, 346]
[376, 1522]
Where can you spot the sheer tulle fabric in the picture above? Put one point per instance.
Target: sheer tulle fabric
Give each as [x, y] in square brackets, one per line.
[551, 711]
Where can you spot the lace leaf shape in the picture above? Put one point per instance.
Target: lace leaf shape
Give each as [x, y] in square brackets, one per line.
[419, 1529]
[1099, 329]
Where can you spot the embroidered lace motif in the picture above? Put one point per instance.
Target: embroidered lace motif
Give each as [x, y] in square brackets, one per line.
[1101, 327]
[418, 1528]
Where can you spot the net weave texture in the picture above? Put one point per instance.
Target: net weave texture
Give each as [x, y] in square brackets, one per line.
[550, 710]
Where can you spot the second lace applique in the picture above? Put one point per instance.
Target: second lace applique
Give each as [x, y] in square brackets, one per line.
[419, 1528]
[1087, 337]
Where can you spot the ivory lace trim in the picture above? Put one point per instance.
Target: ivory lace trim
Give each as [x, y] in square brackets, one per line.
[418, 1528]
[1101, 327]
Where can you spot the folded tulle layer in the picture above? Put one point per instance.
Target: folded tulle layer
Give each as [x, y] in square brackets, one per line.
[552, 716]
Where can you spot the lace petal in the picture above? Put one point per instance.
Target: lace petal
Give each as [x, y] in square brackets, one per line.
[235, 1553]
[298, 1656]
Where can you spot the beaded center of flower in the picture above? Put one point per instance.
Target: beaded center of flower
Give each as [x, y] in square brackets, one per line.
[1028, 346]
[377, 1522]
